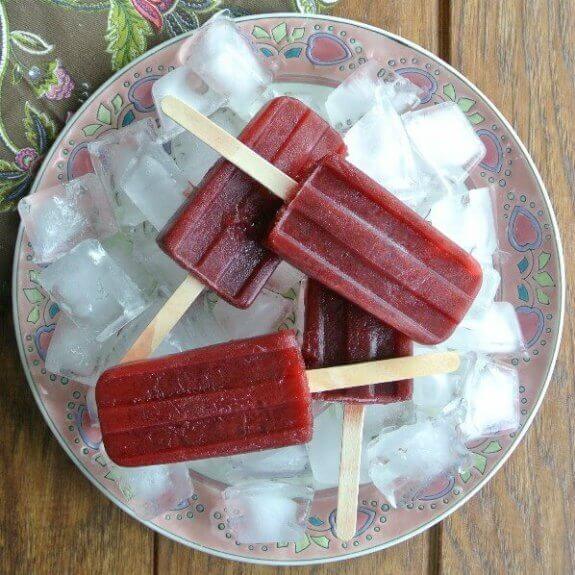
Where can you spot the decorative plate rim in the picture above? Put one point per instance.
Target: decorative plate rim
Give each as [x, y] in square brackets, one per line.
[520, 434]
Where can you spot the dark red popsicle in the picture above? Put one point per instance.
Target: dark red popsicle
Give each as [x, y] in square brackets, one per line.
[235, 397]
[338, 332]
[346, 231]
[217, 234]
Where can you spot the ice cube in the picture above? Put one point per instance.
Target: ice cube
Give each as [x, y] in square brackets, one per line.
[185, 85]
[285, 280]
[405, 461]
[155, 184]
[267, 511]
[194, 157]
[487, 293]
[152, 490]
[325, 448]
[378, 144]
[93, 289]
[360, 91]
[284, 462]
[495, 330]
[58, 218]
[433, 393]
[446, 139]
[264, 315]
[168, 274]
[480, 225]
[229, 65]
[112, 155]
[491, 394]
[197, 328]
[74, 352]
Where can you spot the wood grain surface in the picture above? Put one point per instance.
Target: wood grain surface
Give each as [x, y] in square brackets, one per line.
[521, 53]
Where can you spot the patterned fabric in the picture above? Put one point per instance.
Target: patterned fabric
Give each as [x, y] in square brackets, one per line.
[54, 53]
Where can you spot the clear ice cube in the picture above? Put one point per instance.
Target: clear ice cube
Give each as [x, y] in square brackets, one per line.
[168, 274]
[193, 156]
[360, 91]
[446, 139]
[286, 280]
[229, 65]
[112, 155]
[74, 352]
[89, 286]
[155, 184]
[58, 218]
[185, 85]
[264, 511]
[491, 394]
[495, 330]
[379, 146]
[153, 490]
[284, 462]
[265, 315]
[405, 461]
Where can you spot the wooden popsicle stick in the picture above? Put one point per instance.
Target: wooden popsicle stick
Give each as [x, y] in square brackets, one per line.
[349, 470]
[229, 147]
[165, 320]
[383, 371]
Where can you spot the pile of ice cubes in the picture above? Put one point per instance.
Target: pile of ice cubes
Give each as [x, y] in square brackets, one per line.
[95, 239]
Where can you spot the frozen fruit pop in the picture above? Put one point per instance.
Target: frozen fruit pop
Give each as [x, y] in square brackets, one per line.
[337, 332]
[217, 235]
[240, 396]
[346, 231]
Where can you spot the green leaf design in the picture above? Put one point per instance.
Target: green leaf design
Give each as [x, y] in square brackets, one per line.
[260, 33]
[34, 120]
[49, 80]
[279, 32]
[492, 447]
[465, 476]
[544, 258]
[34, 315]
[290, 294]
[480, 463]
[16, 75]
[297, 34]
[476, 118]
[449, 91]
[127, 33]
[542, 297]
[466, 104]
[104, 114]
[322, 541]
[281, 544]
[302, 544]
[30, 43]
[117, 103]
[33, 295]
[544, 279]
[91, 129]
[34, 276]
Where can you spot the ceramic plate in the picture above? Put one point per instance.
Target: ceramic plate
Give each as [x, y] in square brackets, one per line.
[315, 52]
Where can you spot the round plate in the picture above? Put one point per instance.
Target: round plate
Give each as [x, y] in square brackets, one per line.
[313, 51]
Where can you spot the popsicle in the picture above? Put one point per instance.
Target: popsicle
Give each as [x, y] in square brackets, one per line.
[346, 231]
[217, 235]
[235, 397]
[343, 229]
[338, 332]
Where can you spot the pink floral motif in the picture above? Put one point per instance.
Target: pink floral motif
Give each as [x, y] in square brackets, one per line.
[63, 87]
[26, 158]
[153, 10]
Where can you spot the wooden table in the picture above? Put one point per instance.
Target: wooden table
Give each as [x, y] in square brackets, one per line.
[521, 53]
